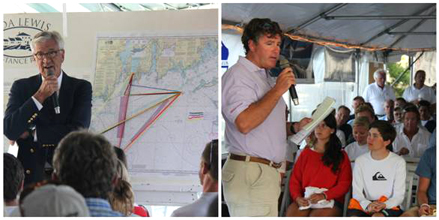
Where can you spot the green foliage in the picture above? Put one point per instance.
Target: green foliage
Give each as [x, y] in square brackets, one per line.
[394, 71]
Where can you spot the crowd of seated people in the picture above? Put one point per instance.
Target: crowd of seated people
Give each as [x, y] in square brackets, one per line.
[88, 179]
[379, 147]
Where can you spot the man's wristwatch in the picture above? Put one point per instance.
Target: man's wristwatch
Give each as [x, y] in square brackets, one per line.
[292, 128]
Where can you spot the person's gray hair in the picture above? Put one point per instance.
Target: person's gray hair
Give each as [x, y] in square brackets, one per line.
[378, 71]
[86, 162]
[45, 36]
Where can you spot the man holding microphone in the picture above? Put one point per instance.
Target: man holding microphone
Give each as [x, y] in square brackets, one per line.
[256, 132]
[44, 108]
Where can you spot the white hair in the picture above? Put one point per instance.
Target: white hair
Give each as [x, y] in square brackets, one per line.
[378, 71]
[45, 36]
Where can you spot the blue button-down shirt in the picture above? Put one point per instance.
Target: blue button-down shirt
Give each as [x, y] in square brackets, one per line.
[243, 84]
[100, 208]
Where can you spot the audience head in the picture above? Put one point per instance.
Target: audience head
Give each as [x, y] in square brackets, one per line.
[360, 130]
[365, 111]
[411, 118]
[122, 197]
[380, 77]
[13, 174]
[389, 106]
[87, 162]
[420, 78]
[53, 200]
[358, 100]
[400, 102]
[121, 155]
[257, 28]
[342, 115]
[424, 110]
[397, 114]
[209, 161]
[381, 134]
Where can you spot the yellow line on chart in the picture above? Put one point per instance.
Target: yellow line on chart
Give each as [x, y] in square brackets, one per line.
[137, 114]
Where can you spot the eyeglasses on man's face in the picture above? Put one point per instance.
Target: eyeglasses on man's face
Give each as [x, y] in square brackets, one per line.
[51, 54]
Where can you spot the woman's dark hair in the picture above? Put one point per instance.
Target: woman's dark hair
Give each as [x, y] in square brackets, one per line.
[333, 155]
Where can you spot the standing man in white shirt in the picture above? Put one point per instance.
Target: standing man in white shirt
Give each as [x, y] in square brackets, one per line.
[419, 91]
[256, 129]
[377, 93]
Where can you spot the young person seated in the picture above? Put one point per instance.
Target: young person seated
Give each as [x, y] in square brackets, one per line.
[322, 174]
[379, 176]
[359, 147]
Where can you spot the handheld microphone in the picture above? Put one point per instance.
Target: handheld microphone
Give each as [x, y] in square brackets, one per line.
[284, 63]
[54, 95]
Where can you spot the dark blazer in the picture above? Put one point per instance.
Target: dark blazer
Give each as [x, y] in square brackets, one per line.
[22, 115]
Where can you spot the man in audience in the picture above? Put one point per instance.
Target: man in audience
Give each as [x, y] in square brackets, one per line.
[397, 115]
[12, 183]
[377, 93]
[31, 119]
[426, 119]
[54, 201]
[400, 102]
[342, 117]
[358, 100]
[411, 139]
[207, 204]
[419, 91]
[426, 193]
[87, 162]
[388, 108]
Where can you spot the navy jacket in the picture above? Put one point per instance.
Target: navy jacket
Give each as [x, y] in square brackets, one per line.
[22, 115]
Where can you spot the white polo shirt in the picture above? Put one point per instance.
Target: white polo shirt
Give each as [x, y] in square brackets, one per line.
[243, 84]
[411, 93]
[416, 146]
[377, 96]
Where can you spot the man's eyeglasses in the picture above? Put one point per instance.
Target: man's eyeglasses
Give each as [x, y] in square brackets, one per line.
[50, 54]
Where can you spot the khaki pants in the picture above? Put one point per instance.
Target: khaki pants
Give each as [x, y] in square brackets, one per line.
[250, 188]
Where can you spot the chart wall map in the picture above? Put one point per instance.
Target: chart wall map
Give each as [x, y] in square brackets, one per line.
[156, 97]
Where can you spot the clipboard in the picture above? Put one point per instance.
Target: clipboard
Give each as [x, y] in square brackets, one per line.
[324, 109]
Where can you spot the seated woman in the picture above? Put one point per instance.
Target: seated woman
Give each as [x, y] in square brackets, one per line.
[323, 165]
[379, 176]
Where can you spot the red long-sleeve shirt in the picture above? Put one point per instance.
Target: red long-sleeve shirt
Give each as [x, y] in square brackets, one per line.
[309, 170]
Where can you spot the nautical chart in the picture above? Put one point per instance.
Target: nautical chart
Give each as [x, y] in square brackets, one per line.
[156, 97]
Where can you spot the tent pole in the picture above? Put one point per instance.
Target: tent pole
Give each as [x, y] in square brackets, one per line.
[316, 18]
[408, 68]
[396, 25]
[412, 29]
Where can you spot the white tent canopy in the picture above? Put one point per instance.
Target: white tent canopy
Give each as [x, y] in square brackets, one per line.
[388, 27]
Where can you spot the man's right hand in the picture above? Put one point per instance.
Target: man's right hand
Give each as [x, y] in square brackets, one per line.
[424, 210]
[403, 151]
[47, 88]
[302, 201]
[284, 81]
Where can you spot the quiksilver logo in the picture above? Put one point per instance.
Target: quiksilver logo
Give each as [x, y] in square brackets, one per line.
[378, 177]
